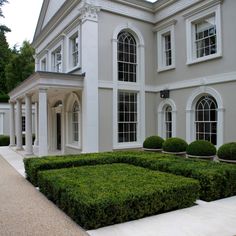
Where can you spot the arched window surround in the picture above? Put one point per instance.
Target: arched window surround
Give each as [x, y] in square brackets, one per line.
[161, 117]
[71, 101]
[190, 113]
[136, 87]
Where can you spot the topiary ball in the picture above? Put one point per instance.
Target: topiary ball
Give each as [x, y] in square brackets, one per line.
[201, 148]
[227, 151]
[174, 145]
[153, 142]
[4, 140]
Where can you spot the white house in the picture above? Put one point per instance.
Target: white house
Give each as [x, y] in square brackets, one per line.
[111, 72]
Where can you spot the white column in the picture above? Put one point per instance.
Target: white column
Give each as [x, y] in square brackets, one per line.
[43, 123]
[89, 62]
[36, 141]
[18, 125]
[12, 125]
[28, 125]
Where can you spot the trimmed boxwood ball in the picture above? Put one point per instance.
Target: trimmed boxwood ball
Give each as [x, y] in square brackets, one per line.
[227, 151]
[201, 148]
[153, 142]
[4, 140]
[174, 145]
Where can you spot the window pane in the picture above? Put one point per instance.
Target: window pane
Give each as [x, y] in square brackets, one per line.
[205, 119]
[127, 117]
[127, 57]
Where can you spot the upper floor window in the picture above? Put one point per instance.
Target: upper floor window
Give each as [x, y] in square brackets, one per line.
[204, 35]
[127, 57]
[43, 66]
[57, 60]
[166, 48]
[74, 50]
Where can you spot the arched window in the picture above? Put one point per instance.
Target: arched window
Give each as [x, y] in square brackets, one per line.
[168, 121]
[127, 57]
[206, 119]
[75, 122]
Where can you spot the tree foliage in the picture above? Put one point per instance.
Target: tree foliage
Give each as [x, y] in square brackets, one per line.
[2, 2]
[5, 54]
[20, 66]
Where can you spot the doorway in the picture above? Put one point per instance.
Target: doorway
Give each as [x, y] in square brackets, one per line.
[58, 131]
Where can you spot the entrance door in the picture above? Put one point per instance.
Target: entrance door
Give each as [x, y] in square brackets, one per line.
[58, 131]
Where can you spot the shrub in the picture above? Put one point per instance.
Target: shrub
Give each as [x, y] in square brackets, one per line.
[175, 145]
[217, 180]
[201, 148]
[96, 196]
[153, 142]
[4, 140]
[227, 151]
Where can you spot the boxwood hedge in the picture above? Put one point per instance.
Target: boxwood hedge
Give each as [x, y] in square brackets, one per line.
[101, 195]
[217, 180]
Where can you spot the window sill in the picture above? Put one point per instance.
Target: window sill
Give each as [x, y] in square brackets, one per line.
[127, 146]
[71, 70]
[203, 59]
[74, 146]
[166, 68]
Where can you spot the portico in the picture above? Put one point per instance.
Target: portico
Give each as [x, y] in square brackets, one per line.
[43, 90]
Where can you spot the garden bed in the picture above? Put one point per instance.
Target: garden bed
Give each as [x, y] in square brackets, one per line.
[217, 180]
[100, 195]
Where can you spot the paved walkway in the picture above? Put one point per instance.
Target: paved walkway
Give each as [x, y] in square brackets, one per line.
[25, 211]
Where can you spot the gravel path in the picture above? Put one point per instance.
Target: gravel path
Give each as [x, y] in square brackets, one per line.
[24, 211]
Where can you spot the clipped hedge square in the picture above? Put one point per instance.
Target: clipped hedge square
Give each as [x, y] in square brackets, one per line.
[101, 195]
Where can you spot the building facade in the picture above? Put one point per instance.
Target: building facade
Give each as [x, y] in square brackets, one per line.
[110, 73]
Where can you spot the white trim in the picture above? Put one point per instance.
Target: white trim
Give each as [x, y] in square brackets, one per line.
[208, 80]
[73, 97]
[71, 35]
[51, 66]
[191, 103]
[161, 45]
[1, 123]
[191, 59]
[161, 120]
[138, 87]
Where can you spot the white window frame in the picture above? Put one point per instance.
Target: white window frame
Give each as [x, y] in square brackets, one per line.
[53, 52]
[190, 34]
[161, 48]
[138, 87]
[74, 33]
[43, 61]
[69, 121]
[161, 130]
[190, 113]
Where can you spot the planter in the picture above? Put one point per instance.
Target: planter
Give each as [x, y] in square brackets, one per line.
[227, 161]
[175, 153]
[201, 157]
[151, 150]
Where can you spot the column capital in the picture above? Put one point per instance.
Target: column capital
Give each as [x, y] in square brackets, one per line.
[43, 90]
[89, 11]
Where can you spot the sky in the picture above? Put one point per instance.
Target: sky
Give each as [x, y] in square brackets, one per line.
[21, 17]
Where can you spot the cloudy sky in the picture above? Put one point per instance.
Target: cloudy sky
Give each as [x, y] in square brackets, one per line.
[21, 17]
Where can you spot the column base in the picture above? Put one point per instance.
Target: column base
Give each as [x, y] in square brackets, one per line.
[19, 149]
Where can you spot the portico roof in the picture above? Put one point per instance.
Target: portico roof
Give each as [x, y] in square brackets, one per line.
[47, 80]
